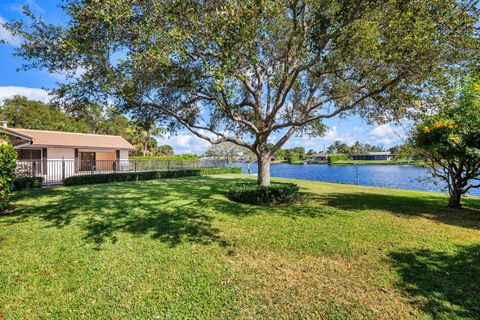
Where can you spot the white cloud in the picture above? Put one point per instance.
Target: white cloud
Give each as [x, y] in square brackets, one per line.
[6, 35]
[185, 143]
[333, 134]
[30, 93]
[385, 135]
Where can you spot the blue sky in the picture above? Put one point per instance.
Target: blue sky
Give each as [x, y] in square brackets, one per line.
[34, 83]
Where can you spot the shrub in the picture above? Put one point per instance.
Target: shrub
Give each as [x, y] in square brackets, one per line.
[276, 193]
[148, 175]
[25, 183]
[337, 157]
[294, 159]
[7, 173]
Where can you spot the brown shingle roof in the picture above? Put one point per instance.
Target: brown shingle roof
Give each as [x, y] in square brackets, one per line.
[72, 139]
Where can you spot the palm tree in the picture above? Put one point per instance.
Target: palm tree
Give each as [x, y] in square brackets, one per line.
[140, 135]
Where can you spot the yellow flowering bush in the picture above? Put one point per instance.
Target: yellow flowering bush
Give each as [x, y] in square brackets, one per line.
[449, 142]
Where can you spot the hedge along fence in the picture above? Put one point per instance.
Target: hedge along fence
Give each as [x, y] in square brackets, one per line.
[148, 175]
[8, 154]
[337, 157]
[25, 183]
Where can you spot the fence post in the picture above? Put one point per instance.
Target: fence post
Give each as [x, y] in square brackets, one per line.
[63, 169]
[34, 169]
[135, 165]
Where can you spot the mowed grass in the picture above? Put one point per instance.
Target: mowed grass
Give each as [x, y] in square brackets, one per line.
[177, 249]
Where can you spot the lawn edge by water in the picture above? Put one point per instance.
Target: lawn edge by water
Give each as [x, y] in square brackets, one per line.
[354, 186]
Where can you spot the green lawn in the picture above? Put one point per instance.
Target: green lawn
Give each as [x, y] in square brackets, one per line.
[180, 249]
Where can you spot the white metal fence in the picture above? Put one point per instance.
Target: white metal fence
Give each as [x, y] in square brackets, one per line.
[56, 171]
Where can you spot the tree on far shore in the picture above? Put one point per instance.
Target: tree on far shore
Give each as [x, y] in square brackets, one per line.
[228, 152]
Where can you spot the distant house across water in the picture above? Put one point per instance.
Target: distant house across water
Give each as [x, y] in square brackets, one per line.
[318, 158]
[373, 156]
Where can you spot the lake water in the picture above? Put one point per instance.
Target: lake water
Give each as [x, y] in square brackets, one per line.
[385, 176]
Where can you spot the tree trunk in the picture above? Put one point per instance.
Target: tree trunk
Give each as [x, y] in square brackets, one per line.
[455, 198]
[145, 145]
[264, 170]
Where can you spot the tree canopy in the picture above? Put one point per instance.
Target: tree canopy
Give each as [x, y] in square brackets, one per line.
[245, 71]
[357, 147]
[29, 114]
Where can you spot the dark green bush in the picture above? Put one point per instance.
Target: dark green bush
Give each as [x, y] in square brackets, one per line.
[25, 183]
[276, 193]
[8, 154]
[149, 175]
[337, 157]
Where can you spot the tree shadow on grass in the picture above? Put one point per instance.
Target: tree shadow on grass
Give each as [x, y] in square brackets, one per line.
[426, 206]
[171, 211]
[446, 286]
[135, 208]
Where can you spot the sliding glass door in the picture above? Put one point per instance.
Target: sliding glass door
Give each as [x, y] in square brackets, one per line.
[87, 161]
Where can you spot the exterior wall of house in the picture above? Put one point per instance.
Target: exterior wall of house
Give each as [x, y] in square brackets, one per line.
[55, 170]
[69, 154]
[60, 153]
[104, 160]
[111, 156]
[123, 154]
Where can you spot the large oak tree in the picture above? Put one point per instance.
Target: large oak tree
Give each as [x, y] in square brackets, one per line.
[253, 72]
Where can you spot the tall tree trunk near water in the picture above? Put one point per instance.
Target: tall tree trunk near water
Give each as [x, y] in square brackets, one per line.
[263, 178]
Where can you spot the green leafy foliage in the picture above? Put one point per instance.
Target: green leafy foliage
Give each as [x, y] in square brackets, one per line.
[149, 175]
[276, 193]
[337, 157]
[26, 183]
[357, 147]
[449, 142]
[295, 155]
[8, 165]
[28, 114]
[294, 159]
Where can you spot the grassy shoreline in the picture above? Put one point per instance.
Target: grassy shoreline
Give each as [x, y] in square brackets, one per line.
[376, 162]
[180, 249]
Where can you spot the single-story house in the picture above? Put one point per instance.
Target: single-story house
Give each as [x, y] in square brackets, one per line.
[318, 157]
[47, 151]
[373, 156]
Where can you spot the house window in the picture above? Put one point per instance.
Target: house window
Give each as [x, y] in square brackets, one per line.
[30, 161]
[29, 154]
